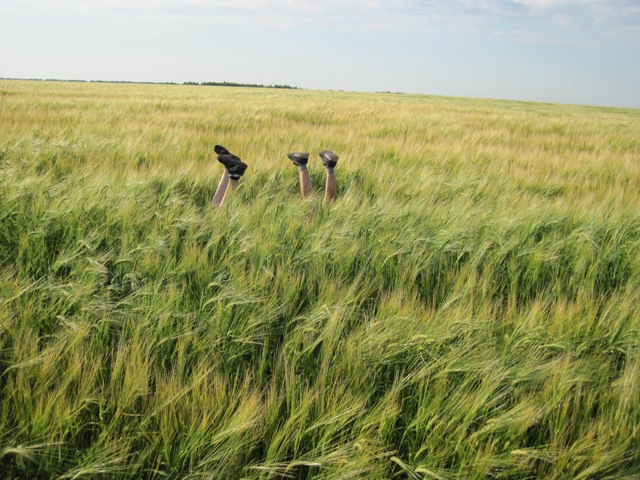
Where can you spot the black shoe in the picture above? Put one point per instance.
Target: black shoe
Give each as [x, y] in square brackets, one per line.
[298, 158]
[220, 150]
[233, 164]
[329, 159]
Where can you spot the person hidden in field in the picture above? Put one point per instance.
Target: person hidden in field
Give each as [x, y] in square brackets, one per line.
[235, 168]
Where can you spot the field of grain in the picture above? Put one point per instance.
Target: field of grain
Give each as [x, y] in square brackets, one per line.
[468, 307]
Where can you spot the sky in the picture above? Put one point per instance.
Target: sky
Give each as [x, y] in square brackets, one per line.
[559, 51]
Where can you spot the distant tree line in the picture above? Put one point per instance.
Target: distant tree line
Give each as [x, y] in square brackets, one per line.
[205, 84]
[71, 80]
[233, 84]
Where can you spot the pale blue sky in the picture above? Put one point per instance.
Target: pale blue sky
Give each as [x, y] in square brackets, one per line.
[567, 51]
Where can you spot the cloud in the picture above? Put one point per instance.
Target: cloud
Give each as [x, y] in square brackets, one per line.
[414, 14]
[603, 17]
[593, 12]
[542, 5]
[569, 21]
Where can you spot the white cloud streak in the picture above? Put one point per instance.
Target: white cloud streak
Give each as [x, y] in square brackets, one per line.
[605, 17]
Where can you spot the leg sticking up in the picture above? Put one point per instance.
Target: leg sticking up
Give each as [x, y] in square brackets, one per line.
[234, 169]
[300, 160]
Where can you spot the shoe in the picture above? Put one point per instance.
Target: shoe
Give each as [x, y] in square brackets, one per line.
[233, 164]
[329, 159]
[298, 158]
[220, 150]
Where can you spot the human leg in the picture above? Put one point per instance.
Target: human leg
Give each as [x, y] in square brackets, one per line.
[217, 198]
[234, 169]
[300, 160]
[330, 160]
[233, 184]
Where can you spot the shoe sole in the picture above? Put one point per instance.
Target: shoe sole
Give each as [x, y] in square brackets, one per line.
[296, 157]
[328, 155]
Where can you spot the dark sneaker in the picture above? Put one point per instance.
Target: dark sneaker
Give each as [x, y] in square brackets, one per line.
[329, 159]
[220, 150]
[298, 158]
[233, 164]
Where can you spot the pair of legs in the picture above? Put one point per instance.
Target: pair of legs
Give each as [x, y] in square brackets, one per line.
[329, 160]
[235, 168]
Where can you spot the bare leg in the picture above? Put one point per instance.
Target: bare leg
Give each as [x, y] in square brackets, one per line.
[300, 160]
[330, 188]
[233, 184]
[234, 169]
[305, 183]
[217, 198]
[329, 160]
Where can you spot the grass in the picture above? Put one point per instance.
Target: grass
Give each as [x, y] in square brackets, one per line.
[468, 308]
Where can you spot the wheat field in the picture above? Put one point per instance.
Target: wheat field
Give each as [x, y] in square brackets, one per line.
[468, 308]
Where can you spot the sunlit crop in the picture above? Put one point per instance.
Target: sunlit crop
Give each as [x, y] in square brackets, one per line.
[467, 308]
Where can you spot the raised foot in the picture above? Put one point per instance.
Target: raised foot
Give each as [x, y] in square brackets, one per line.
[329, 159]
[298, 158]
